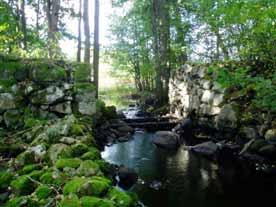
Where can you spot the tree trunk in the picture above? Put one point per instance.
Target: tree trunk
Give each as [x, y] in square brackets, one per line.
[37, 18]
[79, 33]
[52, 12]
[96, 47]
[155, 31]
[23, 24]
[87, 43]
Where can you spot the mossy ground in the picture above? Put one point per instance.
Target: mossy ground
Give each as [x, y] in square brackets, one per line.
[78, 180]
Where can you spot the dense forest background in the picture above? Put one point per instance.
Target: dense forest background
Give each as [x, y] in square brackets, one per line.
[149, 39]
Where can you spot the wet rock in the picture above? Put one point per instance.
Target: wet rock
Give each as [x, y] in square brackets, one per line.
[270, 136]
[268, 151]
[253, 146]
[125, 129]
[166, 139]
[227, 118]
[127, 177]
[248, 133]
[156, 185]
[206, 148]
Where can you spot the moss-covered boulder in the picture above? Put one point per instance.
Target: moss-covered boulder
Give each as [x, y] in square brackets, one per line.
[74, 186]
[5, 179]
[68, 163]
[12, 119]
[58, 151]
[55, 178]
[43, 192]
[70, 201]
[79, 149]
[92, 154]
[29, 168]
[88, 168]
[121, 199]
[99, 186]
[88, 201]
[7, 101]
[22, 201]
[23, 185]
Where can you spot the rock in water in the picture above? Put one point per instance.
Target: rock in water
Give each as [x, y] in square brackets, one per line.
[206, 148]
[127, 177]
[166, 139]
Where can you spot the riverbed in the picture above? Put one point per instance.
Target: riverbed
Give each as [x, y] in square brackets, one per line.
[182, 178]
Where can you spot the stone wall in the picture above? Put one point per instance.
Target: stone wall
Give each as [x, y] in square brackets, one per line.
[43, 89]
[193, 89]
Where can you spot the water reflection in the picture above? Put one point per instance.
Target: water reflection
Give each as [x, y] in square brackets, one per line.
[186, 179]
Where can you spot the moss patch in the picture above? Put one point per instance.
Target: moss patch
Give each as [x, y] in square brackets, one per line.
[43, 192]
[72, 163]
[70, 201]
[88, 201]
[88, 168]
[73, 186]
[122, 199]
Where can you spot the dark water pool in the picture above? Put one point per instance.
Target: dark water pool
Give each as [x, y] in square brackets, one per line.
[178, 179]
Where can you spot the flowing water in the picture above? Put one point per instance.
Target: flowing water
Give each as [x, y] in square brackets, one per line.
[181, 178]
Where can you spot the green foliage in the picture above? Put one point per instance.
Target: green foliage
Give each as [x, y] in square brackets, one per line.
[242, 80]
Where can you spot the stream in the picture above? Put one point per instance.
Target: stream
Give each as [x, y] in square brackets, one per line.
[182, 178]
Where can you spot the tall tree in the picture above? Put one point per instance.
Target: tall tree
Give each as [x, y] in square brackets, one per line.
[23, 24]
[87, 43]
[79, 32]
[96, 56]
[52, 9]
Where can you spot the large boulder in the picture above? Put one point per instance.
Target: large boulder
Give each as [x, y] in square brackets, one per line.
[48, 96]
[127, 177]
[227, 118]
[86, 101]
[7, 101]
[268, 151]
[166, 139]
[270, 136]
[206, 149]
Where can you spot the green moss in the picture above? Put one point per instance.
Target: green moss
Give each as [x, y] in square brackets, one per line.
[73, 186]
[121, 199]
[92, 154]
[53, 178]
[77, 129]
[36, 174]
[23, 185]
[46, 71]
[5, 179]
[88, 139]
[70, 201]
[17, 202]
[72, 163]
[26, 158]
[59, 151]
[82, 72]
[43, 192]
[100, 185]
[84, 87]
[79, 149]
[88, 168]
[105, 167]
[109, 112]
[88, 201]
[29, 168]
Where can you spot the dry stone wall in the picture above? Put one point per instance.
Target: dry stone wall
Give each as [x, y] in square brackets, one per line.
[44, 89]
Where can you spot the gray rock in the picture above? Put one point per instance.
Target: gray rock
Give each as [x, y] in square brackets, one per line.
[207, 97]
[218, 99]
[57, 151]
[206, 148]
[268, 151]
[62, 108]
[86, 103]
[127, 177]
[7, 101]
[248, 133]
[166, 139]
[227, 118]
[13, 119]
[48, 96]
[270, 136]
